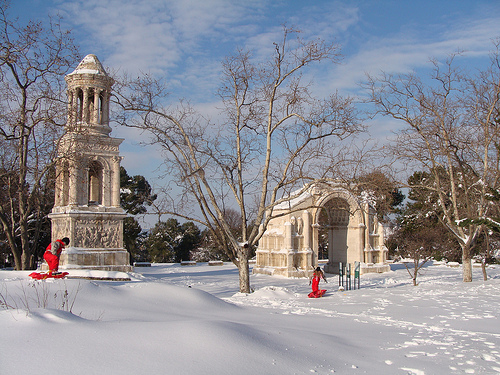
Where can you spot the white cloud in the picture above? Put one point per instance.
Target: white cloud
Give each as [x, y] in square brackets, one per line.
[135, 35]
[402, 52]
[155, 35]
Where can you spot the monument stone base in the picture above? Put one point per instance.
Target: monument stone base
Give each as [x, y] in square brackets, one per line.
[96, 239]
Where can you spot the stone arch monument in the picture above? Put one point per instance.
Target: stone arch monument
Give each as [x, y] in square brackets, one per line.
[87, 197]
[324, 214]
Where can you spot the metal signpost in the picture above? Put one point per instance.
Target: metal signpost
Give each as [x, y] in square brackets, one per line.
[341, 275]
[357, 269]
[345, 270]
[348, 276]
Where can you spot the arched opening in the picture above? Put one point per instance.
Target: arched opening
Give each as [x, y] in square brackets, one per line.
[95, 183]
[333, 223]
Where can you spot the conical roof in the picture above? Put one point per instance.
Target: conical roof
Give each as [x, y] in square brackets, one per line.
[90, 65]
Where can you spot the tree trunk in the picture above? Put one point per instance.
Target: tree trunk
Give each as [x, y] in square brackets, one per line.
[488, 252]
[26, 250]
[466, 265]
[244, 270]
[17, 260]
[26, 260]
[483, 268]
[415, 270]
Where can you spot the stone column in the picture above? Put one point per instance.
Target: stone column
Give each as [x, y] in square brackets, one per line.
[95, 116]
[86, 186]
[315, 235]
[288, 256]
[70, 108]
[85, 109]
[73, 182]
[115, 182]
[288, 236]
[381, 244]
[366, 216]
[306, 218]
[105, 108]
[77, 106]
[362, 245]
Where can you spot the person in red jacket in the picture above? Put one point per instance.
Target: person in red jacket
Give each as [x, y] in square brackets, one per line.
[315, 279]
[53, 252]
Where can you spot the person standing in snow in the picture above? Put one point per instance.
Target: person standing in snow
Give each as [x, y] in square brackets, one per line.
[315, 279]
[53, 252]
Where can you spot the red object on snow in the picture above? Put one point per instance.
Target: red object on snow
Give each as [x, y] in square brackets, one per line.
[316, 292]
[48, 275]
[52, 254]
[52, 260]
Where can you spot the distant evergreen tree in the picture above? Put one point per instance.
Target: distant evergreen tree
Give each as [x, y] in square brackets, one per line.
[169, 241]
[135, 195]
[133, 238]
[191, 238]
[160, 241]
[420, 218]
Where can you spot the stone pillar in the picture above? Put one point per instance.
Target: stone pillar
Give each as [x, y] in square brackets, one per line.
[383, 250]
[288, 248]
[85, 108]
[315, 235]
[288, 236]
[115, 182]
[366, 216]
[86, 186]
[73, 185]
[362, 246]
[70, 107]
[306, 218]
[307, 253]
[105, 108]
[95, 116]
[74, 109]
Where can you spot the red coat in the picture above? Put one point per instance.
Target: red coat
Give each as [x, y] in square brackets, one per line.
[57, 248]
[52, 254]
[316, 292]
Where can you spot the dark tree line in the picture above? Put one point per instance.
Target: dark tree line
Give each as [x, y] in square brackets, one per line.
[420, 236]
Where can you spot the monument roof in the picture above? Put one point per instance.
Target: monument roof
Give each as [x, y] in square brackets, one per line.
[90, 65]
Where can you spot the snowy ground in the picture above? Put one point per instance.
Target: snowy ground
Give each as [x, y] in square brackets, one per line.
[173, 319]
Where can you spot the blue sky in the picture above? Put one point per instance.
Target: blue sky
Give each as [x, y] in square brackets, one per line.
[185, 41]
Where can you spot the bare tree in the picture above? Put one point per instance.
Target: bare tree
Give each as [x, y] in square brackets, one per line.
[273, 136]
[33, 61]
[452, 133]
[416, 244]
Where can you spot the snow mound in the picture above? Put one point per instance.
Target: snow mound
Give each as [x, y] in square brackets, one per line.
[269, 292]
[98, 274]
[53, 316]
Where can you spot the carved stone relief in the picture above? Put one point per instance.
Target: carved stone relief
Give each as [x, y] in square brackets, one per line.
[97, 234]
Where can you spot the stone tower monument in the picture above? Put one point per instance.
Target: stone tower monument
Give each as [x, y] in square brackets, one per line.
[87, 197]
